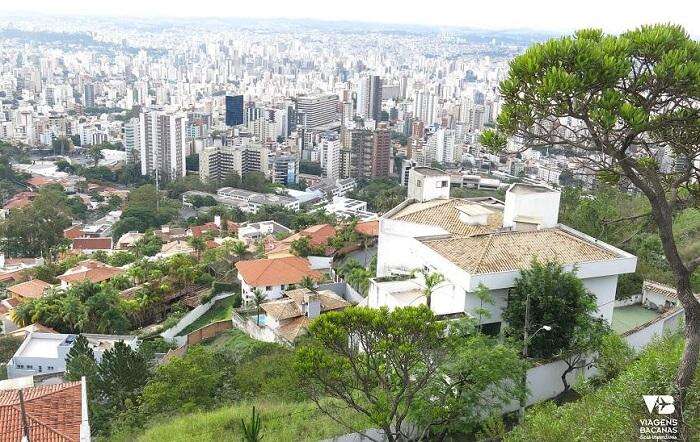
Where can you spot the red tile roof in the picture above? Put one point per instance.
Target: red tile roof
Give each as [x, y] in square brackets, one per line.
[31, 289]
[369, 228]
[90, 270]
[73, 232]
[20, 200]
[86, 243]
[40, 181]
[53, 413]
[276, 271]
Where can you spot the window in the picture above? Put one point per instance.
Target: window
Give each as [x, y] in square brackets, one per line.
[268, 288]
[49, 368]
[40, 369]
[441, 184]
[30, 367]
[20, 366]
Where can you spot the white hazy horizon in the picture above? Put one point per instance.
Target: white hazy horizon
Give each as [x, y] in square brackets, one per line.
[537, 15]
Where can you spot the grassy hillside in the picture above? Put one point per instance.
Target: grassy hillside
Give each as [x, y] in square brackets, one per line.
[296, 421]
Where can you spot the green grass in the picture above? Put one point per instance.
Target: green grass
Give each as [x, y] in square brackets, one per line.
[281, 421]
[239, 344]
[222, 309]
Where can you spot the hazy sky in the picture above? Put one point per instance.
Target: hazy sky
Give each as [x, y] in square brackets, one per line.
[554, 15]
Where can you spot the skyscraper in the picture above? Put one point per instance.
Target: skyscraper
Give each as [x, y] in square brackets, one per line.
[369, 98]
[89, 95]
[132, 140]
[234, 110]
[381, 151]
[163, 143]
[316, 110]
[285, 170]
[330, 156]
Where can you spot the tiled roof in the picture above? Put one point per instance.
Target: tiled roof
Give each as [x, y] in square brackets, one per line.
[509, 251]
[53, 413]
[276, 271]
[30, 289]
[369, 228]
[87, 243]
[73, 232]
[91, 270]
[444, 213]
[662, 289]
[290, 307]
[292, 329]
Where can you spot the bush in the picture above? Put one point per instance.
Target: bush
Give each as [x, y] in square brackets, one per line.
[614, 356]
[220, 287]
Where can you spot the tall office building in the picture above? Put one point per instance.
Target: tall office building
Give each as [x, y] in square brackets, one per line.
[369, 98]
[234, 110]
[316, 110]
[218, 162]
[89, 95]
[442, 147]
[163, 143]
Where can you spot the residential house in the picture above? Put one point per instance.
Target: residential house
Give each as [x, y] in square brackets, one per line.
[273, 276]
[47, 352]
[74, 231]
[48, 413]
[32, 289]
[289, 316]
[318, 236]
[175, 248]
[89, 245]
[483, 241]
[251, 232]
[128, 240]
[89, 270]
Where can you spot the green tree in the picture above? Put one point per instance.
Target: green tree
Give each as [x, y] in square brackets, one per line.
[198, 244]
[259, 299]
[557, 299]
[431, 281]
[123, 373]
[36, 230]
[394, 366]
[81, 362]
[615, 100]
[483, 294]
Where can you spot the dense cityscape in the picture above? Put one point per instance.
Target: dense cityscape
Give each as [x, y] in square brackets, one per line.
[296, 229]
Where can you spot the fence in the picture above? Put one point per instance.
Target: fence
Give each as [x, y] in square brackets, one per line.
[171, 333]
[209, 331]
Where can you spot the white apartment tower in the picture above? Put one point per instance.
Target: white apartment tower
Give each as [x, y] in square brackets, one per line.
[330, 157]
[163, 143]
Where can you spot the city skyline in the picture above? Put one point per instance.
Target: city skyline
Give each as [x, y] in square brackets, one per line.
[544, 15]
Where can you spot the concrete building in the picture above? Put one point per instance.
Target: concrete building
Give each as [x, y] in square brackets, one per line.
[316, 110]
[42, 353]
[163, 143]
[218, 162]
[483, 241]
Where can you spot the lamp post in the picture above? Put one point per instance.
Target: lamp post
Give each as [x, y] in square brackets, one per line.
[526, 341]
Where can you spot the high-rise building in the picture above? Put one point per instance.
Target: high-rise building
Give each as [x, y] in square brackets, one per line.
[316, 110]
[442, 147]
[381, 151]
[163, 143]
[369, 98]
[218, 162]
[330, 156]
[234, 110]
[424, 107]
[132, 140]
[285, 170]
[89, 95]
[370, 152]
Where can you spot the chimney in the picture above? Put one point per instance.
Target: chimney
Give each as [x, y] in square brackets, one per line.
[530, 207]
[217, 221]
[313, 305]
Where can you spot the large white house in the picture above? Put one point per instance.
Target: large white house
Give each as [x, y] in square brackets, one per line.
[43, 353]
[483, 241]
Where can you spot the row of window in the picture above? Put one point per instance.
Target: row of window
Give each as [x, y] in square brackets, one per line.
[31, 367]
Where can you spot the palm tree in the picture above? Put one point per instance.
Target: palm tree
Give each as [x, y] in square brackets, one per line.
[198, 244]
[239, 248]
[431, 281]
[308, 283]
[258, 300]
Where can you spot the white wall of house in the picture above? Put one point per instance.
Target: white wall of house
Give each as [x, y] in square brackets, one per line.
[271, 292]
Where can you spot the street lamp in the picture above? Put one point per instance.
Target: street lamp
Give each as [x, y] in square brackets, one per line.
[526, 341]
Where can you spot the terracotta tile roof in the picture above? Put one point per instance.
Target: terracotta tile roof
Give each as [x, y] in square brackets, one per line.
[20, 200]
[291, 330]
[276, 271]
[662, 289]
[90, 270]
[73, 232]
[509, 251]
[39, 181]
[31, 328]
[53, 413]
[87, 243]
[31, 289]
[16, 276]
[369, 228]
[318, 236]
[291, 306]
[444, 213]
